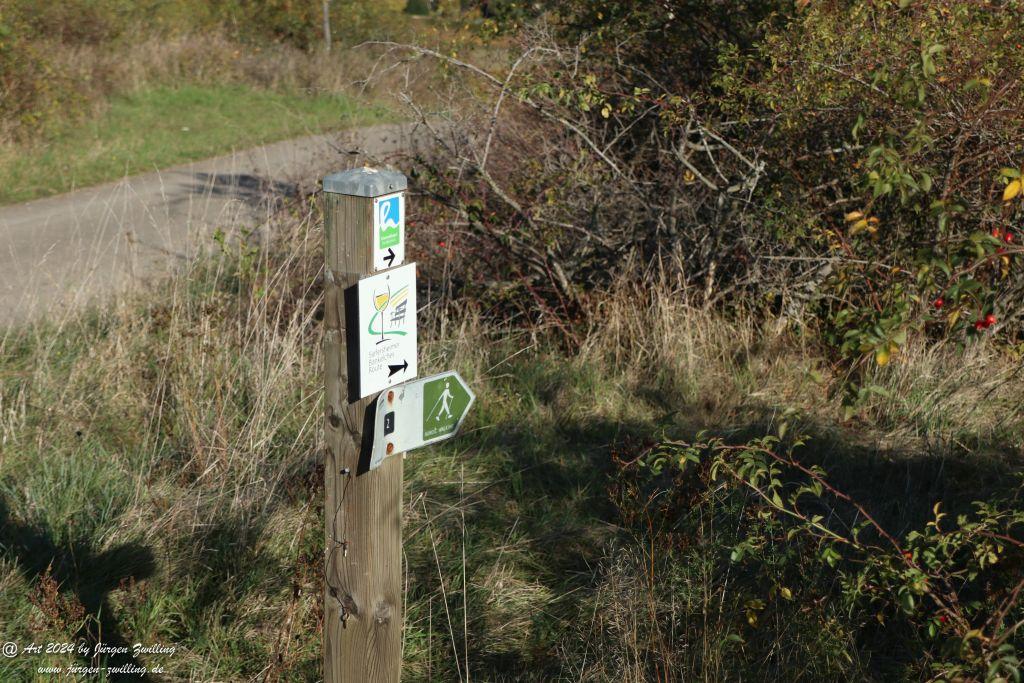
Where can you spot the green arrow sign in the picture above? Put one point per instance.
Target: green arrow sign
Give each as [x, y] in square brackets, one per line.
[419, 413]
[445, 401]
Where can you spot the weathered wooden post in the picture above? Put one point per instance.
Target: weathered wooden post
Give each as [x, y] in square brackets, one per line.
[376, 410]
[363, 599]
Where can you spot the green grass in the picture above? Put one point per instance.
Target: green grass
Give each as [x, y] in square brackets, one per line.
[176, 439]
[161, 127]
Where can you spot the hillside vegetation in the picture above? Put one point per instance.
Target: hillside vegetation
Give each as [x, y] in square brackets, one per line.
[96, 90]
[161, 482]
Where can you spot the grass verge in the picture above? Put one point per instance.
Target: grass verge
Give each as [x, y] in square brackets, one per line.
[161, 482]
[162, 126]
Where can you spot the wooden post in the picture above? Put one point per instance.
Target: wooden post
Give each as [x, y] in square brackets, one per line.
[363, 570]
[327, 25]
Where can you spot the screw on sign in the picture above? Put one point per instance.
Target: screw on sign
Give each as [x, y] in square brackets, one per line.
[370, 346]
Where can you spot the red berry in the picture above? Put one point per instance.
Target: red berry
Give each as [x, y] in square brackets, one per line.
[939, 303]
[943, 618]
[907, 554]
[441, 244]
[1008, 237]
[990, 319]
[996, 233]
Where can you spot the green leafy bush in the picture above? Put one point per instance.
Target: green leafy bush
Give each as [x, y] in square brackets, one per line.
[895, 128]
[940, 600]
[417, 7]
[854, 167]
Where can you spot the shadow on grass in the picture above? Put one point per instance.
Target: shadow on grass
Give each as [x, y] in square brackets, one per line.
[551, 484]
[79, 572]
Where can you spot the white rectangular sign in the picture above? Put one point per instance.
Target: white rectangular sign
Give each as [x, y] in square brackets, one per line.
[383, 338]
[389, 231]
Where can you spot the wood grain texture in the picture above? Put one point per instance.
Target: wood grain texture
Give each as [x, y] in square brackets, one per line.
[363, 596]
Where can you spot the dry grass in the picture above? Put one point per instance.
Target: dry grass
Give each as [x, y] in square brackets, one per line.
[930, 395]
[211, 58]
[180, 421]
[184, 422]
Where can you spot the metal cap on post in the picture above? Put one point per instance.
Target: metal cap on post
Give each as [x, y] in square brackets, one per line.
[365, 182]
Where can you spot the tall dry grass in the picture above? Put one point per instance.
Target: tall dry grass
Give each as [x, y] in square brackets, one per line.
[726, 365]
[192, 406]
[185, 418]
[211, 58]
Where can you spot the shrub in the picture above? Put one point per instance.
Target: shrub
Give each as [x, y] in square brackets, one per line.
[937, 601]
[895, 130]
[418, 7]
[32, 91]
[855, 167]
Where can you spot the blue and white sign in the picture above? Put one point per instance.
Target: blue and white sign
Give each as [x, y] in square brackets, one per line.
[389, 231]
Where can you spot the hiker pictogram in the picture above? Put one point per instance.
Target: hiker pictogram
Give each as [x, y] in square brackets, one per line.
[445, 402]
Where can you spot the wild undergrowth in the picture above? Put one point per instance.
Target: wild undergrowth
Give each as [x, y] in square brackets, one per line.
[161, 482]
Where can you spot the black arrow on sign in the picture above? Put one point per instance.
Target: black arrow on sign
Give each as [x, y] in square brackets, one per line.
[393, 369]
[390, 258]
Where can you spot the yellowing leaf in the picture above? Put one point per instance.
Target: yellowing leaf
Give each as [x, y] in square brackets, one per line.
[882, 357]
[858, 226]
[853, 216]
[1012, 190]
[786, 593]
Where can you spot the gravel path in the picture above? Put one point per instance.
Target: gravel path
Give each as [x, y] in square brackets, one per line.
[69, 250]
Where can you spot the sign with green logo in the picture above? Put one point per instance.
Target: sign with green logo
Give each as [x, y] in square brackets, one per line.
[389, 231]
[419, 413]
[445, 401]
[381, 340]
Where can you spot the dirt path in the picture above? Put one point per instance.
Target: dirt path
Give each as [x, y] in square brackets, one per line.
[68, 250]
